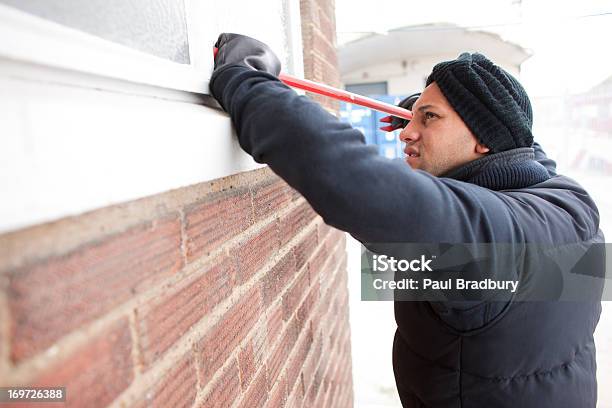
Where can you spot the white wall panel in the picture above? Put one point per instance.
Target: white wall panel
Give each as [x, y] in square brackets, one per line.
[68, 150]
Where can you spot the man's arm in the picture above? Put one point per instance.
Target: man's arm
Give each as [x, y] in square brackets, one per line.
[348, 183]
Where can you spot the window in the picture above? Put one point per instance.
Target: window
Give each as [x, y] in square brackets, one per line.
[165, 43]
[156, 27]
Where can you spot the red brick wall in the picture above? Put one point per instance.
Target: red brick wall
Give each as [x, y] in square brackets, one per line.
[319, 38]
[230, 293]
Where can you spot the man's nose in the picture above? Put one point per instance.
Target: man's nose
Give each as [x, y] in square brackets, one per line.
[409, 133]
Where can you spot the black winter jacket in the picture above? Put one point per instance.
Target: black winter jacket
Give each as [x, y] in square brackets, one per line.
[524, 354]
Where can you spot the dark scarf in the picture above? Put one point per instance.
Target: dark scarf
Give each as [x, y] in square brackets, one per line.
[510, 169]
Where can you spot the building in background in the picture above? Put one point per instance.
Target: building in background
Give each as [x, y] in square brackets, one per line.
[393, 65]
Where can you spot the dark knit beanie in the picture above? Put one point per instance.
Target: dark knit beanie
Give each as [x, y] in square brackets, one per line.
[490, 101]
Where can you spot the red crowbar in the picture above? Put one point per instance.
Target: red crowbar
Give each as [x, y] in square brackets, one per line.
[341, 94]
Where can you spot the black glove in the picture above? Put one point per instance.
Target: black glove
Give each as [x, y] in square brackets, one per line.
[247, 51]
[239, 49]
[397, 122]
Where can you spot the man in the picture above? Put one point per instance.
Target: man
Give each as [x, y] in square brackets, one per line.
[474, 176]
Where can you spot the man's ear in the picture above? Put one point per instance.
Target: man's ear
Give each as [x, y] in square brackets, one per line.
[482, 149]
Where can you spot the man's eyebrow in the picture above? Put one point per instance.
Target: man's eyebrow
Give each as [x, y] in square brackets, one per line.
[422, 108]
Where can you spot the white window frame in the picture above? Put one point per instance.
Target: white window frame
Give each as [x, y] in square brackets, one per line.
[28, 38]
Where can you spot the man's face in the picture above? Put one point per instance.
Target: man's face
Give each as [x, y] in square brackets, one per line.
[437, 140]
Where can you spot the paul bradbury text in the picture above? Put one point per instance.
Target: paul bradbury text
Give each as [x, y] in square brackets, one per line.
[385, 264]
[447, 284]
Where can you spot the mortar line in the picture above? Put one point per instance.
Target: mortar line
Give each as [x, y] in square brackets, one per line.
[136, 344]
[183, 236]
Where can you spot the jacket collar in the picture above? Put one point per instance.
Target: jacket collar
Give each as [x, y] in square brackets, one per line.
[511, 169]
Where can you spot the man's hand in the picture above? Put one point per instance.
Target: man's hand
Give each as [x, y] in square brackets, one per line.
[236, 49]
[247, 51]
[396, 122]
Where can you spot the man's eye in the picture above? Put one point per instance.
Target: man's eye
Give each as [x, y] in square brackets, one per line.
[429, 115]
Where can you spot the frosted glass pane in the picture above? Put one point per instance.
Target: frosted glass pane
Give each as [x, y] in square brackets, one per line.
[246, 17]
[156, 27]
